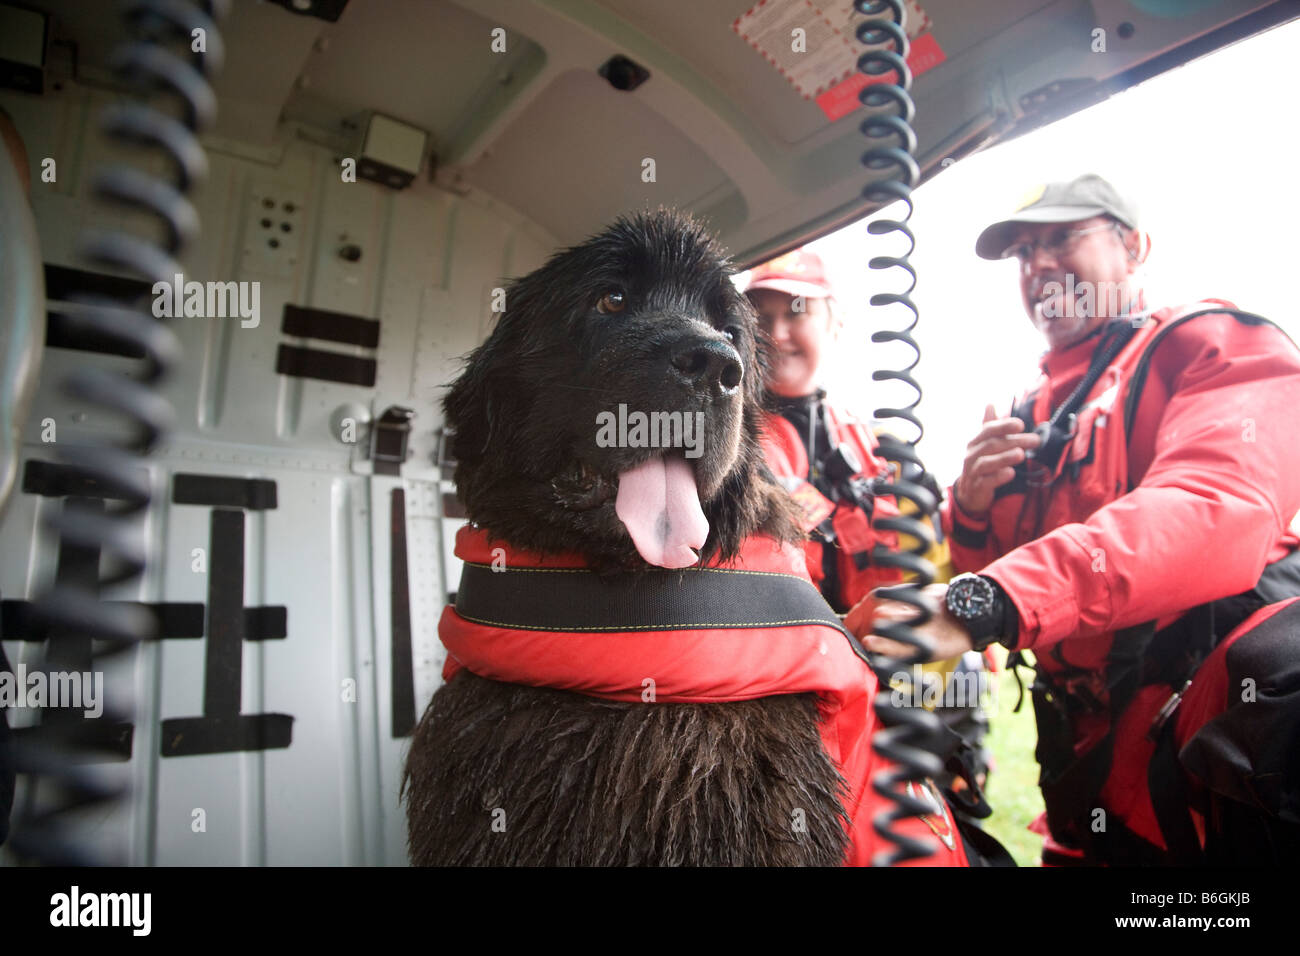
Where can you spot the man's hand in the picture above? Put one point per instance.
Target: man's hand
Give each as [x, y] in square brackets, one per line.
[990, 461]
[949, 638]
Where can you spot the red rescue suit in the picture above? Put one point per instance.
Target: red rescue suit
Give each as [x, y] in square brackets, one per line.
[787, 457]
[705, 666]
[1176, 490]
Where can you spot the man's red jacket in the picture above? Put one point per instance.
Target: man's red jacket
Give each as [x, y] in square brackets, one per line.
[1214, 461]
[704, 666]
[1214, 472]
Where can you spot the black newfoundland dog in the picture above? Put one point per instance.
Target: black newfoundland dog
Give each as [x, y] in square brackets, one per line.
[642, 315]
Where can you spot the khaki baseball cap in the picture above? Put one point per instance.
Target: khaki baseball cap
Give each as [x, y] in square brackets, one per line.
[1082, 198]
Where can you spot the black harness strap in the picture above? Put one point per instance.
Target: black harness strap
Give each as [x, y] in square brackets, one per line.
[580, 600]
[1072, 784]
[1138, 379]
[404, 713]
[982, 848]
[1167, 785]
[1112, 342]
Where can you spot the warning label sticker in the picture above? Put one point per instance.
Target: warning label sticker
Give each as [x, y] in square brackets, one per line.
[813, 46]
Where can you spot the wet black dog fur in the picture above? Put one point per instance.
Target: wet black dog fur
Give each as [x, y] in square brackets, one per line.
[581, 780]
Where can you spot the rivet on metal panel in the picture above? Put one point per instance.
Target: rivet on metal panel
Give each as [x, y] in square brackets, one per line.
[350, 423]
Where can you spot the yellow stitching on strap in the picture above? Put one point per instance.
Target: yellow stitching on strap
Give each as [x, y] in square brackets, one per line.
[656, 627]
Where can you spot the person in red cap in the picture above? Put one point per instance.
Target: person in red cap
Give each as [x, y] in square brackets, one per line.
[1127, 523]
[824, 456]
[827, 459]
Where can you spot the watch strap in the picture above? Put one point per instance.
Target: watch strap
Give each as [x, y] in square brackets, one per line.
[1007, 630]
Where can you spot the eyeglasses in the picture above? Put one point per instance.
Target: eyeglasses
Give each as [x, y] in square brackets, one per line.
[1055, 246]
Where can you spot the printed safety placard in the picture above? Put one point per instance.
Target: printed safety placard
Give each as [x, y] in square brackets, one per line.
[823, 64]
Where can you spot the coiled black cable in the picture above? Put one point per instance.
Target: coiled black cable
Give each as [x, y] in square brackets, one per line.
[173, 51]
[911, 734]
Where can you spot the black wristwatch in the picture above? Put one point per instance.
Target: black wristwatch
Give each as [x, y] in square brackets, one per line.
[981, 606]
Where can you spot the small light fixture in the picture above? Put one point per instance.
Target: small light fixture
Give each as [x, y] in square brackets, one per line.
[623, 74]
[392, 152]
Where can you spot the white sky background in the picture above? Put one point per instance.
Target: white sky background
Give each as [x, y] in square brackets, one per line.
[1209, 153]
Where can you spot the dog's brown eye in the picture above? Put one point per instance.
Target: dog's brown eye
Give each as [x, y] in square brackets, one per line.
[611, 302]
[732, 332]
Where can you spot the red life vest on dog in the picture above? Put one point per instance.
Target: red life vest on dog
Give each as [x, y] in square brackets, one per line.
[704, 666]
[787, 457]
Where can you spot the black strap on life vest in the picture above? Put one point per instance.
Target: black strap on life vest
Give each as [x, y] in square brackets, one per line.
[982, 848]
[652, 599]
[1139, 377]
[1058, 430]
[1167, 785]
[1072, 784]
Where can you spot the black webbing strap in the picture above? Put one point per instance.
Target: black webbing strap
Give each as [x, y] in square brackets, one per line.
[1071, 783]
[1168, 788]
[1138, 378]
[579, 600]
[399, 594]
[309, 323]
[982, 847]
[1111, 343]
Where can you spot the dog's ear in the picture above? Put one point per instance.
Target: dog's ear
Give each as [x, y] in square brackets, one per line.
[473, 408]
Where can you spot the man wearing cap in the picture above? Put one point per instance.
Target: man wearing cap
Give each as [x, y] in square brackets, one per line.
[1128, 514]
[827, 459]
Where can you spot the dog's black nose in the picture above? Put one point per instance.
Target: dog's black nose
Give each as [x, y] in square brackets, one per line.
[703, 363]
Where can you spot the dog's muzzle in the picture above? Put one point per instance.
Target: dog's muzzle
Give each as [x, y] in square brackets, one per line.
[707, 366]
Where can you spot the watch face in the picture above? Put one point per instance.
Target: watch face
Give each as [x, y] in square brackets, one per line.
[970, 598]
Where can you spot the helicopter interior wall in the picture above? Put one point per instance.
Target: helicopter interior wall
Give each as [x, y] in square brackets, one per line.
[318, 561]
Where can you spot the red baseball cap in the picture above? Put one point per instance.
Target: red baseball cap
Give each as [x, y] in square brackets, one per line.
[796, 273]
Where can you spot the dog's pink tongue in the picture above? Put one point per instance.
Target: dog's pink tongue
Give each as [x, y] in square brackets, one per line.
[660, 506]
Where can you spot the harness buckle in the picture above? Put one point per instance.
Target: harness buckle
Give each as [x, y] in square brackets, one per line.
[1050, 454]
[1166, 711]
[1081, 691]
